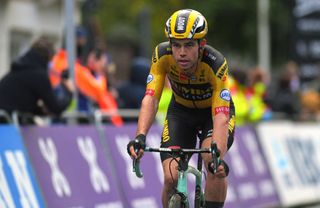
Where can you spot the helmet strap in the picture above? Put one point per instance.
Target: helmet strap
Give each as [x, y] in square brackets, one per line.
[202, 42]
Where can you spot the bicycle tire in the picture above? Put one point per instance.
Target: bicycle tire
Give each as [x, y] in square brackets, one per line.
[176, 201]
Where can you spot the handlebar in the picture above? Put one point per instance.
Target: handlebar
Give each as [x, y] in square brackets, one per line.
[181, 151]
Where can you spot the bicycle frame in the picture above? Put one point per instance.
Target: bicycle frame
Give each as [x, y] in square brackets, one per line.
[183, 188]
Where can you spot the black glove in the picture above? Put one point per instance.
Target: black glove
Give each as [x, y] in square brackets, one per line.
[138, 143]
[213, 170]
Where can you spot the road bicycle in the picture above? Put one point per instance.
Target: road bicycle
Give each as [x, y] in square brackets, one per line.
[180, 198]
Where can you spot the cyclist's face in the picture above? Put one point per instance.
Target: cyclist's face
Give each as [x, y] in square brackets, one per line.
[186, 53]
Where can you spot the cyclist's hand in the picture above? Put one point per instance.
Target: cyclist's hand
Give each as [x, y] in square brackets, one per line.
[222, 171]
[136, 147]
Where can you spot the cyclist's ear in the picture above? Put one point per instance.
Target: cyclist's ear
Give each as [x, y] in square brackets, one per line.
[202, 43]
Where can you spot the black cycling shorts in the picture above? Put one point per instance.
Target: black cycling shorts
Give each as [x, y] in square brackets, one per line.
[184, 125]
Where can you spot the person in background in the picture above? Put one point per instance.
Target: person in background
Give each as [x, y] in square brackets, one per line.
[256, 93]
[131, 92]
[91, 82]
[285, 98]
[238, 82]
[58, 64]
[27, 89]
[164, 102]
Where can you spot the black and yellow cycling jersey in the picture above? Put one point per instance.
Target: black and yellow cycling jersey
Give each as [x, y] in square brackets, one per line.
[207, 87]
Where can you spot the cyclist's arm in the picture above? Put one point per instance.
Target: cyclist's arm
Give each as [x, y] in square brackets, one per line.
[149, 108]
[155, 83]
[220, 133]
[220, 107]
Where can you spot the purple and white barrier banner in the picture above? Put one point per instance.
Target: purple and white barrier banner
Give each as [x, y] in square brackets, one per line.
[86, 166]
[72, 168]
[293, 155]
[18, 187]
[250, 182]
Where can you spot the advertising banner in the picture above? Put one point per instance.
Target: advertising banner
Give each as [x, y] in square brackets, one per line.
[18, 187]
[139, 192]
[72, 167]
[306, 37]
[250, 182]
[293, 152]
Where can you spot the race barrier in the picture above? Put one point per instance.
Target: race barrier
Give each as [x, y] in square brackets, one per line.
[18, 187]
[72, 167]
[87, 166]
[293, 152]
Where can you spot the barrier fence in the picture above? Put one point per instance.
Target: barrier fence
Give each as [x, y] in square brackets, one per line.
[272, 164]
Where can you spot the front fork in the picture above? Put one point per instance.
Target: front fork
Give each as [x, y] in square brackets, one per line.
[182, 186]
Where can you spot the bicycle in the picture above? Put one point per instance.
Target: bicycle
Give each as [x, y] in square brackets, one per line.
[180, 198]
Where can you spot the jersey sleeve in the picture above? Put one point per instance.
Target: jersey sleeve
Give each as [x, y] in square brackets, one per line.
[156, 77]
[221, 93]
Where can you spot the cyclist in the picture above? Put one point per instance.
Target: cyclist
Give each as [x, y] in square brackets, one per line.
[201, 104]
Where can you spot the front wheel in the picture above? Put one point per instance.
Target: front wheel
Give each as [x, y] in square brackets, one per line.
[177, 201]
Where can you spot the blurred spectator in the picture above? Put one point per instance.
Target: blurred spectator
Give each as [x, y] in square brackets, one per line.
[81, 42]
[164, 102]
[310, 103]
[238, 84]
[60, 67]
[256, 92]
[26, 88]
[132, 91]
[286, 96]
[91, 83]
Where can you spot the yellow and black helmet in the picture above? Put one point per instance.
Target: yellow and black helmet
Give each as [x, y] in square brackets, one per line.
[186, 23]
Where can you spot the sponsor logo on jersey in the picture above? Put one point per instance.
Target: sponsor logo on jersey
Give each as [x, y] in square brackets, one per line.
[222, 72]
[183, 76]
[193, 78]
[210, 56]
[150, 92]
[225, 94]
[192, 92]
[222, 109]
[165, 133]
[149, 78]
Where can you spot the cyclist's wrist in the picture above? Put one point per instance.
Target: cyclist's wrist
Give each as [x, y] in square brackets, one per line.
[141, 138]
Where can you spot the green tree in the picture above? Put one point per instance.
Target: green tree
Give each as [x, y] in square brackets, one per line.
[232, 23]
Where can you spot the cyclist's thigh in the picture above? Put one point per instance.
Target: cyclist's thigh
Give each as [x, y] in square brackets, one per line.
[207, 129]
[177, 131]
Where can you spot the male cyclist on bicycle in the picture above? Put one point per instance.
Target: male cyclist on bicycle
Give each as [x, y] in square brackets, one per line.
[201, 104]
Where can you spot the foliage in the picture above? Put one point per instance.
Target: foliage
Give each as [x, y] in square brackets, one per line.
[232, 23]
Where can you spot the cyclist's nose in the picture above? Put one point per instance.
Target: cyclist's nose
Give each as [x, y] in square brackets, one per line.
[183, 51]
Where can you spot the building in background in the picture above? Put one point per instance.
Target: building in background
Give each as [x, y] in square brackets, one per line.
[22, 21]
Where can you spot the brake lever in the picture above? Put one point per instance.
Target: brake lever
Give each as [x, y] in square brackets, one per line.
[136, 162]
[213, 166]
